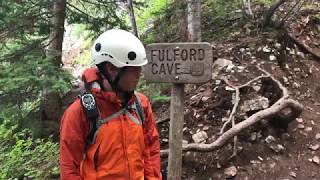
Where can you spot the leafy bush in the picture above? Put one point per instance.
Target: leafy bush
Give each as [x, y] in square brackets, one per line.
[21, 156]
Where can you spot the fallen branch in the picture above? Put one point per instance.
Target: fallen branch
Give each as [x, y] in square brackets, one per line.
[237, 89]
[274, 109]
[282, 103]
[315, 52]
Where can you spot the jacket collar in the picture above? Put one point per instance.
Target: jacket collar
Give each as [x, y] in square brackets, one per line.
[110, 97]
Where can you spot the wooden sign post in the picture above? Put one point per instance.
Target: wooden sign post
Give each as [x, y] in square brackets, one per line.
[178, 63]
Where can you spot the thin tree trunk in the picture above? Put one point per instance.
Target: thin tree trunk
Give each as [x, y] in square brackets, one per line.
[194, 20]
[247, 8]
[132, 17]
[54, 49]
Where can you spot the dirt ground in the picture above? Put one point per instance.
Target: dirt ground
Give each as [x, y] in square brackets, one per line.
[255, 157]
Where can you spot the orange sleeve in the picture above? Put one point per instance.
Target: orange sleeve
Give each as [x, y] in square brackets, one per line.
[73, 132]
[90, 75]
[152, 150]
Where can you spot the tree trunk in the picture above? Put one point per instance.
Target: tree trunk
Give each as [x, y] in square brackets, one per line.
[247, 8]
[194, 20]
[54, 49]
[132, 17]
[51, 106]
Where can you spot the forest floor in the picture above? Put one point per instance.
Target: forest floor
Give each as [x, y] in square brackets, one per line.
[264, 151]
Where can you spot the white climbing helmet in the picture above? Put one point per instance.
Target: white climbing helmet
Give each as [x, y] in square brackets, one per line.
[119, 47]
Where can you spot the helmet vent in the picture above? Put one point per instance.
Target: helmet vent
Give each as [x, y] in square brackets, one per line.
[106, 54]
[97, 47]
[132, 55]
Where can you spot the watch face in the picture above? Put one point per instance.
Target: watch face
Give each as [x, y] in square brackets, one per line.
[88, 101]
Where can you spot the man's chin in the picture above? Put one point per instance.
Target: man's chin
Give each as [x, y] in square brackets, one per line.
[131, 89]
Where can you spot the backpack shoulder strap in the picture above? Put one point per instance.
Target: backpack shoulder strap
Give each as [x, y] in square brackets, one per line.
[139, 108]
[91, 111]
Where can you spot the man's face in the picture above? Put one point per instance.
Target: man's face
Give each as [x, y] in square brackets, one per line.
[130, 78]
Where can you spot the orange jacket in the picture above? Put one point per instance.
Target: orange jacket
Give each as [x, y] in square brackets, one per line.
[123, 149]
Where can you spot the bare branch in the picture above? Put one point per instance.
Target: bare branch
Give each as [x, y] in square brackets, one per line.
[79, 10]
[314, 51]
[234, 109]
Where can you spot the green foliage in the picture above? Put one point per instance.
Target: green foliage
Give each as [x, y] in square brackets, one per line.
[163, 21]
[18, 18]
[23, 78]
[80, 30]
[219, 15]
[24, 70]
[21, 156]
[85, 58]
[154, 91]
[152, 11]
[97, 15]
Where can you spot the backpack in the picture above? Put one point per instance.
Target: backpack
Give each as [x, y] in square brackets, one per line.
[92, 113]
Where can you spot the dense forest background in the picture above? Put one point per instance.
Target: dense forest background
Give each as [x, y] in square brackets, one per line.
[45, 44]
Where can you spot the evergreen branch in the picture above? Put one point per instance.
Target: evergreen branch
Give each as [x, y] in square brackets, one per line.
[101, 3]
[21, 52]
[80, 11]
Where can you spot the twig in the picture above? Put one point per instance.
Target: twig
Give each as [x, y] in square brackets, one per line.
[237, 99]
[233, 121]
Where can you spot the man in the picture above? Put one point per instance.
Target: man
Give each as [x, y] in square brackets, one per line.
[123, 142]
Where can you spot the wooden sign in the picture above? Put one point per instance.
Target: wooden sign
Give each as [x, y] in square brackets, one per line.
[179, 62]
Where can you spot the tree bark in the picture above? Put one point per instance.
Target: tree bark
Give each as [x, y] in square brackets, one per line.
[194, 20]
[51, 105]
[54, 49]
